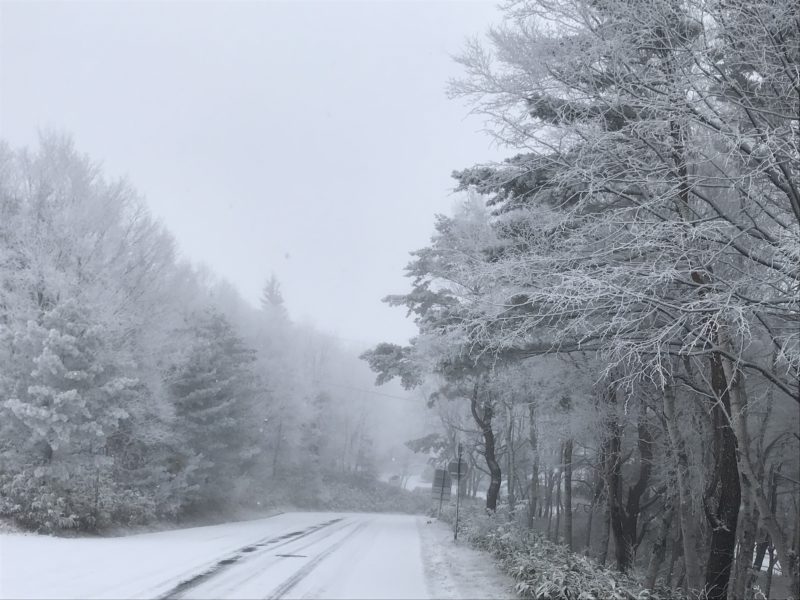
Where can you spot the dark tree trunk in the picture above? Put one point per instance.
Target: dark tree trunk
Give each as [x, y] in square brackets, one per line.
[568, 492]
[558, 507]
[512, 500]
[688, 529]
[761, 552]
[659, 549]
[587, 546]
[275, 454]
[533, 493]
[723, 495]
[748, 517]
[623, 540]
[625, 516]
[484, 421]
[770, 570]
[606, 537]
[675, 554]
[550, 479]
[599, 484]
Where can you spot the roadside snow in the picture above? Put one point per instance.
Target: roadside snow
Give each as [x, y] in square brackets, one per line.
[454, 570]
[135, 566]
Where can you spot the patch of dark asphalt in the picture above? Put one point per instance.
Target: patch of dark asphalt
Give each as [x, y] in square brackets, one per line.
[290, 534]
[187, 584]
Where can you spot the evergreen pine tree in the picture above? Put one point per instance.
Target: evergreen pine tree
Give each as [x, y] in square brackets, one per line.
[213, 389]
[70, 396]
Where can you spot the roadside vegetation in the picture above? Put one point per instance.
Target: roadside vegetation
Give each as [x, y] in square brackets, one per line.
[138, 389]
[609, 322]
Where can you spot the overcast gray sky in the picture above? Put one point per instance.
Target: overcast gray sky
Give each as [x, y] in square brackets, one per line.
[309, 139]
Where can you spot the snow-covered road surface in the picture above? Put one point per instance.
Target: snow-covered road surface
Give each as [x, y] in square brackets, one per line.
[293, 555]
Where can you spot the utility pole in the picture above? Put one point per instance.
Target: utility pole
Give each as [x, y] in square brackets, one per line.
[458, 491]
[441, 494]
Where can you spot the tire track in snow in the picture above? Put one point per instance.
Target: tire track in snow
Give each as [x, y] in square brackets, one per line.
[309, 567]
[247, 551]
[220, 590]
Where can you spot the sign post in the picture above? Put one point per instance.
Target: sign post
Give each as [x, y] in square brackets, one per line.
[458, 491]
[441, 487]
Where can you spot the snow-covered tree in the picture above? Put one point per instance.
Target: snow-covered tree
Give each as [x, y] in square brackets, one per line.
[214, 390]
[652, 217]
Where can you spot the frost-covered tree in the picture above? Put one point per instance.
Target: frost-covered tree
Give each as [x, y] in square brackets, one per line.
[128, 390]
[83, 274]
[214, 390]
[443, 348]
[652, 217]
[74, 399]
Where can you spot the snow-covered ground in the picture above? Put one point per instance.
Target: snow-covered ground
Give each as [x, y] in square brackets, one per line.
[415, 481]
[454, 570]
[293, 555]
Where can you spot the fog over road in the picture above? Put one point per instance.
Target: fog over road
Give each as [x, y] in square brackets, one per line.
[292, 555]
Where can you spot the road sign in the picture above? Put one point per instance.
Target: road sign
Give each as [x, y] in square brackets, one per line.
[457, 470]
[441, 485]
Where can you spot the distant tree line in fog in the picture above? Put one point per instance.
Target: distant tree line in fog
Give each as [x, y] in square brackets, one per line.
[611, 321]
[135, 387]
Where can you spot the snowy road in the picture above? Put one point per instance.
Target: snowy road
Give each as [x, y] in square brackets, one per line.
[293, 555]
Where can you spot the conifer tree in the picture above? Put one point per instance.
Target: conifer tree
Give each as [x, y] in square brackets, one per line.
[213, 390]
[71, 395]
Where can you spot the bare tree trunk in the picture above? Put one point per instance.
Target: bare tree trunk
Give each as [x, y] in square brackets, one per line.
[484, 421]
[722, 497]
[558, 507]
[767, 546]
[760, 553]
[659, 548]
[748, 518]
[277, 449]
[550, 480]
[796, 543]
[764, 546]
[533, 494]
[599, 484]
[625, 515]
[770, 570]
[613, 471]
[568, 492]
[606, 537]
[675, 553]
[688, 529]
[682, 582]
[737, 406]
[512, 501]
[96, 508]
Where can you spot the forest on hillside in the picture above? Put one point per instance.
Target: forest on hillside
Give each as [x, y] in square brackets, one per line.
[136, 388]
[610, 322]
